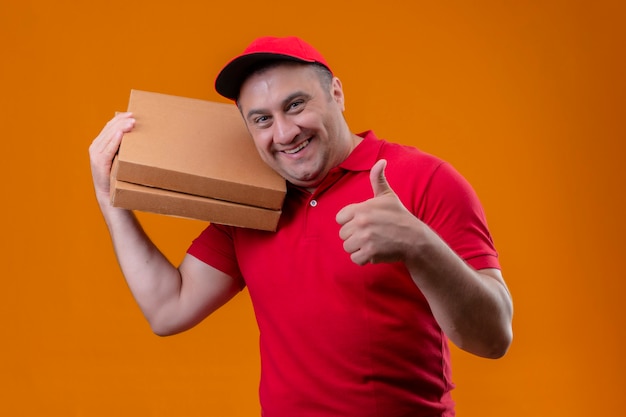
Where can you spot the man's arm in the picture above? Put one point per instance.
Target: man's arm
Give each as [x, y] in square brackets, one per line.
[172, 299]
[474, 308]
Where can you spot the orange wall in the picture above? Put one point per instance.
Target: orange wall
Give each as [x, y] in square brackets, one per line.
[526, 99]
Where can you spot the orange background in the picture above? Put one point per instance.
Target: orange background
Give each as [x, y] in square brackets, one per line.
[526, 99]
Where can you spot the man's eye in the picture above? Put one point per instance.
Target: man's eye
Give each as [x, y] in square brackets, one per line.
[261, 119]
[296, 104]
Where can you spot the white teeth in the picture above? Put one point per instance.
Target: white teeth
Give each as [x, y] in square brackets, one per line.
[298, 149]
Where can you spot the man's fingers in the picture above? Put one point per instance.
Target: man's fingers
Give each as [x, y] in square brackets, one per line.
[111, 135]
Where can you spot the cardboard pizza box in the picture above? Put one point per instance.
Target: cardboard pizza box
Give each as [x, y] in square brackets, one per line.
[196, 147]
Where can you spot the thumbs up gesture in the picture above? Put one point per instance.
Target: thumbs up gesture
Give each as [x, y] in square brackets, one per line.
[380, 229]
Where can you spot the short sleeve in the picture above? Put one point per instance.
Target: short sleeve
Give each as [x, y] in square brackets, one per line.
[452, 209]
[214, 246]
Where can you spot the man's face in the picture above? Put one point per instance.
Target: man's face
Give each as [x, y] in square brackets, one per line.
[297, 125]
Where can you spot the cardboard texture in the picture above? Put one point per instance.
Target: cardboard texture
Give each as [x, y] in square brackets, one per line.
[154, 200]
[196, 147]
[194, 159]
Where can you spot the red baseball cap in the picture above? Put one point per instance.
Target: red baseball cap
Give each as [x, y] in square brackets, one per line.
[267, 48]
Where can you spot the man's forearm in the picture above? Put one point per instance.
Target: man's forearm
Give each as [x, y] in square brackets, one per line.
[472, 307]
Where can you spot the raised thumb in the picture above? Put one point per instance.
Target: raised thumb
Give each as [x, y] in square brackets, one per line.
[377, 178]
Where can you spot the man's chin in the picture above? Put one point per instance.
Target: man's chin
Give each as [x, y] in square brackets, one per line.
[306, 181]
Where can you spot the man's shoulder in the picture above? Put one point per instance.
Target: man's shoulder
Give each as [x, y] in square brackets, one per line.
[408, 157]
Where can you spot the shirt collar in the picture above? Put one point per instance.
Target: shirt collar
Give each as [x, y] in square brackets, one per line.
[362, 158]
[365, 155]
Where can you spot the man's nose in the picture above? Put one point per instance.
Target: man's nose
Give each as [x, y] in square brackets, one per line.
[285, 130]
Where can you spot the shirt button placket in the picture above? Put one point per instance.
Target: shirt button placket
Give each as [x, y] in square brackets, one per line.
[311, 227]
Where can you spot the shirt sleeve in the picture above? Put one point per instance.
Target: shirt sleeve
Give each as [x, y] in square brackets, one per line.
[452, 209]
[215, 247]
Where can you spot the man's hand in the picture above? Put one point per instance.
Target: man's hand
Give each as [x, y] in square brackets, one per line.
[103, 150]
[380, 229]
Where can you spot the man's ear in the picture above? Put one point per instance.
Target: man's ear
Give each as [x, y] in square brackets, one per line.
[337, 93]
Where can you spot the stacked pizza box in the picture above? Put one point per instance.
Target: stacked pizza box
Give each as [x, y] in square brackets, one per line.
[194, 158]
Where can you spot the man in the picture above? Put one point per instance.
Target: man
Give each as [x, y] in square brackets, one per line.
[382, 253]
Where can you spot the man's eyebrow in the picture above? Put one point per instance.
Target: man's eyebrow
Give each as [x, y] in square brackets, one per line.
[295, 95]
[285, 102]
[255, 111]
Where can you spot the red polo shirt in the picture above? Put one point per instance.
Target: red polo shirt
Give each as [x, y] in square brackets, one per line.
[338, 339]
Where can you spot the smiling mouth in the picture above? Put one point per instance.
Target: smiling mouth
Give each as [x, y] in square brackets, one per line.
[297, 149]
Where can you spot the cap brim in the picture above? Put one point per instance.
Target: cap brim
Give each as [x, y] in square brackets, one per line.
[232, 76]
